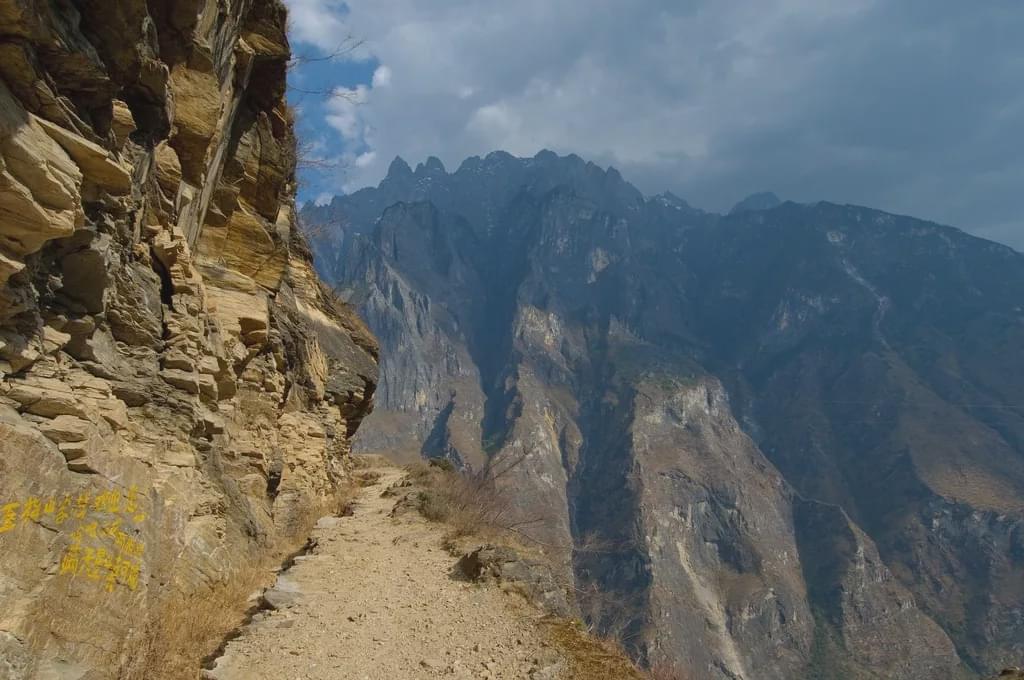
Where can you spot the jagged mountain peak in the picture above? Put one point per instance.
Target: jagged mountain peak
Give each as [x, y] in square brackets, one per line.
[432, 166]
[399, 168]
[672, 198]
[762, 200]
[788, 379]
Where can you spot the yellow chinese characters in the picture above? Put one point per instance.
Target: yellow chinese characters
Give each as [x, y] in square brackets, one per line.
[101, 564]
[8, 516]
[101, 550]
[34, 508]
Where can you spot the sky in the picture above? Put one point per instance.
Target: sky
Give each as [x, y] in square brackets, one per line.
[911, 106]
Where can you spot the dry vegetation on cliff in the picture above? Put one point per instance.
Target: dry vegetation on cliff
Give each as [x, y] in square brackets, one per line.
[471, 503]
[184, 632]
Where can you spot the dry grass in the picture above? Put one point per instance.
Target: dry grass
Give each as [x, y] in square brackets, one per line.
[340, 503]
[595, 658]
[590, 658]
[296, 520]
[472, 504]
[187, 630]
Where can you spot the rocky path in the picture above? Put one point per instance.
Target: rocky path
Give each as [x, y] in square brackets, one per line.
[375, 601]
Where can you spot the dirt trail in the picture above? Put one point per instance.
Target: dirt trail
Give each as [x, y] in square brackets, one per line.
[375, 601]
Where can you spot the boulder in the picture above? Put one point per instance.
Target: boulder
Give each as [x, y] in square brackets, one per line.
[534, 579]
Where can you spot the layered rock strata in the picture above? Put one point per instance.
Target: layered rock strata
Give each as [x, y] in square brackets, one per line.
[178, 388]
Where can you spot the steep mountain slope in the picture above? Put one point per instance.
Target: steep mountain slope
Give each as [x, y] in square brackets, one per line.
[781, 443]
[178, 389]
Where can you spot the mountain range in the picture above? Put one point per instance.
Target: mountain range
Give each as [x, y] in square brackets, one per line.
[785, 442]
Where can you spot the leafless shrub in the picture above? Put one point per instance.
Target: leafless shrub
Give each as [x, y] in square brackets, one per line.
[472, 503]
[344, 50]
[308, 158]
[609, 614]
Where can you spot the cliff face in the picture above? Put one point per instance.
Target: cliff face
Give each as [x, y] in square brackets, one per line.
[783, 443]
[178, 387]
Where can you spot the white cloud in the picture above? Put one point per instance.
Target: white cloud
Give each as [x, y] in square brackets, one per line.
[381, 77]
[904, 106]
[344, 113]
[498, 124]
[366, 159]
[318, 22]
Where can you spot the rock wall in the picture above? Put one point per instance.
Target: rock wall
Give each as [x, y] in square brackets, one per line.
[178, 389]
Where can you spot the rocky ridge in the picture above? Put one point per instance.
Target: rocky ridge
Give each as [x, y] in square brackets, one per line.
[781, 443]
[178, 388]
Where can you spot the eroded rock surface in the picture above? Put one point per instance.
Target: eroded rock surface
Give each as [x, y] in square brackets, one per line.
[178, 388]
[782, 443]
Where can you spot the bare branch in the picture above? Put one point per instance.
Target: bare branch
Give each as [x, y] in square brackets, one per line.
[352, 96]
[349, 45]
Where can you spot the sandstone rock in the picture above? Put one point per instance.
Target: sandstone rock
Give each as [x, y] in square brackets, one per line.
[19, 351]
[207, 386]
[177, 360]
[246, 244]
[45, 397]
[80, 326]
[95, 162]
[8, 267]
[53, 339]
[134, 309]
[122, 326]
[40, 185]
[187, 381]
[86, 272]
[195, 127]
[63, 429]
[114, 411]
[123, 123]
[168, 168]
[279, 599]
[213, 424]
[210, 365]
[75, 450]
